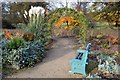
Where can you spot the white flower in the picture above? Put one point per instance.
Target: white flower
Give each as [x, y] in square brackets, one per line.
[31, 7]
[36, 11]
[26, 13]
[30, 12]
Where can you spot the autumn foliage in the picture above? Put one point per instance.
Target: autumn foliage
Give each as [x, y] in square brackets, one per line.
[8, 34]
[11, 34]
[71, 23]
[28, 36]
[112, 39]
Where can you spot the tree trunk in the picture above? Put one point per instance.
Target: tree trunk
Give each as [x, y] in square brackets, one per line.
[116, 23]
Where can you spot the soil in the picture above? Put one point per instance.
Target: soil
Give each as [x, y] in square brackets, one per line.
[55, 64]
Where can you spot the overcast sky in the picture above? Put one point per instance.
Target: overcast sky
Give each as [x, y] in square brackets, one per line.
[62, 0]
[70, 2]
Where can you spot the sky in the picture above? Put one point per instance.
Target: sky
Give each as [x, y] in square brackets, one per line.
[56, 2]
[68, 1]
[62, 0]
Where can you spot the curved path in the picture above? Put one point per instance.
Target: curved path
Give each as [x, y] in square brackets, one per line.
[56, 64]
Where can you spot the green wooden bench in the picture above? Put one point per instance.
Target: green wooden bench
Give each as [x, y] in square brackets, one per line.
[78, 64]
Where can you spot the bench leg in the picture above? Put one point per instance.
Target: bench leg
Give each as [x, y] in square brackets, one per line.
[78, 69]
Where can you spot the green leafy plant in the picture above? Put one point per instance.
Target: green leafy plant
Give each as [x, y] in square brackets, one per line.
[99, 36]
[21, 25]
[15, 43]
[31, 53]
[105, 45]
[39, 27]
[108, 64]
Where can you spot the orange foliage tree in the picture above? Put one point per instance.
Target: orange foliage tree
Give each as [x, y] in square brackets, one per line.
[70, 22]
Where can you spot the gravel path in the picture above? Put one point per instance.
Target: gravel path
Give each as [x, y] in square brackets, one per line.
[56, 64]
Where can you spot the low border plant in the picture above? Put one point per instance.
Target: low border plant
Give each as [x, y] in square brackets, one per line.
[31, 53]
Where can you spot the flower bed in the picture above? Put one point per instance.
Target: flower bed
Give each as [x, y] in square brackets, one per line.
[25, 49]
[107, 65]
[23, 56]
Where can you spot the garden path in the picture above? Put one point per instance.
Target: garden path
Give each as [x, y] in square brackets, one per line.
[55, 64]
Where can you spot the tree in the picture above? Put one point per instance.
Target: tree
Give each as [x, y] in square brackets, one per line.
[70, 22]
[109, 12]
[5, 13]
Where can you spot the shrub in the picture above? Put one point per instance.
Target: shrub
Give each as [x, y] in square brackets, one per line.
[91, 24]
[99, 36]
[28, 55]
[39, 27]
[28, 36]
[108, 64]
[21, 25]
[32, 54]
[11, 57]
[3, 42]
[105, 45]
[14, 43]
